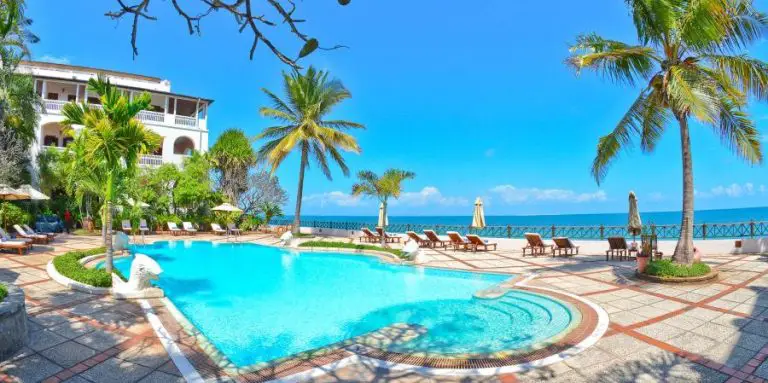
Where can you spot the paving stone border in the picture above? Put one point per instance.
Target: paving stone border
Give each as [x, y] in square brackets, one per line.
[13, 322]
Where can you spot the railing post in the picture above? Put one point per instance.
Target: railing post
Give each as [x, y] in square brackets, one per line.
[553, 231]
[653, 229]
[751, 228]
[407, 227]
[704, 231]
[602, 232]
[509, 231]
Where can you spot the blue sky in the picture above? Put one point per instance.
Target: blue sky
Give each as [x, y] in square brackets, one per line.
[471, 96]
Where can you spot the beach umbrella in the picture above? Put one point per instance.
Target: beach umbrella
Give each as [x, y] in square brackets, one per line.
[227, 207]
[635, 226]
[478, 217]
[10, 194]
[383, 219]
[34, 194]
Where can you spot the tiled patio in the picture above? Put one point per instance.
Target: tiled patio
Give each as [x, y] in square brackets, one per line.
[712, 332]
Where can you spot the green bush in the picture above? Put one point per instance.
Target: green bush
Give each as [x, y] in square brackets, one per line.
[3, 292]
[69, 266]
[345, 245]
[665, 268]
[251, 223]
[163, 219]
[13, 214]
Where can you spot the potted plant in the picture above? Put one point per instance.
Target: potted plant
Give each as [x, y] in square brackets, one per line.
[646, 251]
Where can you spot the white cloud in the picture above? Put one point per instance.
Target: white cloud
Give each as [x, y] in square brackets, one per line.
[733, 190]
[490, 152]
[426, 196]
[337, 198]
[512, 195]
[54, 59]
[656, 196]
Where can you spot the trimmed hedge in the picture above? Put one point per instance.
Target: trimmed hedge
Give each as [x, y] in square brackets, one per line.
[69, 266]
[3, 292]
[345, 245]
[666, 268]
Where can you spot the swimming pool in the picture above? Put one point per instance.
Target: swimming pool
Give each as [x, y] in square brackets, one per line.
[257, 303]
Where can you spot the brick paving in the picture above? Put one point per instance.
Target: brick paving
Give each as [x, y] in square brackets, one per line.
[711, 332]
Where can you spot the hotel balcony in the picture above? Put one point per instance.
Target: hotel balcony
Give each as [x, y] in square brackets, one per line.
[149, 160]
[146, 116]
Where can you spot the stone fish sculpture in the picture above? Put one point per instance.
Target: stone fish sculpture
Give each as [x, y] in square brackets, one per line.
[120, 241]
[411, 250]
[286, 238]
[143, 271]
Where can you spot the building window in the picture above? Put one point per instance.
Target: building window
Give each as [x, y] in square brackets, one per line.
[50, 141]
[171, 105]
[52, 96]
[183, 145]
[66, 141]
[94, 100]
[71, 98]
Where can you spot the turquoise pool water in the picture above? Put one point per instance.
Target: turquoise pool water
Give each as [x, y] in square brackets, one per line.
[258, 303]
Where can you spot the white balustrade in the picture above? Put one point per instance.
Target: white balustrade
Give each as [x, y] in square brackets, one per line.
[151, 160]
[149, 116]
[53, 106]
[186, 121]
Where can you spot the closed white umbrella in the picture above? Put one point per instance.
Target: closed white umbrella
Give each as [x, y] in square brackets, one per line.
[33, 193]
[383, 220]
[635, 226]
[227, 207]
[478, 217]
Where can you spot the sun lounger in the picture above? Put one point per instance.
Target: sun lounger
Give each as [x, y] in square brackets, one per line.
[368, 236]
[617, 246]
[188, 228]
[36, 238]
[15, 244]
[173, 228]
[26, 227]
[423, 242]
[143, 228]
[434, 240]
[457, 242]
[217, 229]
[477, 243]
[536, 245]
[564, 246]
[387, 237]
[127, 228]
[233, 229]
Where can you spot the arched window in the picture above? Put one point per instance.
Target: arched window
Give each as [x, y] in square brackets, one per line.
[183, 145]
[50, 141]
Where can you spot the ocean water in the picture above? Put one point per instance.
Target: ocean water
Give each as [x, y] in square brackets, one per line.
[607, 219]
[257, 303]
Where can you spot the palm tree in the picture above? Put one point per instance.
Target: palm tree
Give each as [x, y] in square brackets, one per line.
[270, 210]
[309, 99]
[389, 185]
[111, 142]
[691, 61]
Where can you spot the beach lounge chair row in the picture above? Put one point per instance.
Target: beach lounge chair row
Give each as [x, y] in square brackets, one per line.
[20, 244]
[369, 236]
[562, 246]
[472, 242]
[187, 228]
[231, 229]
[128, 228]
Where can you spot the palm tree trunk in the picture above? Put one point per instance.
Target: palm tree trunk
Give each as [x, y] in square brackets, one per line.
[384, 228]
[108, 225]
[302, 167]
[684, 249]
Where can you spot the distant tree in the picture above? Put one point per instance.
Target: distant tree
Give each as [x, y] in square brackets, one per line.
[263, 188]
[193, 192]
[254, 15]
[389, 185]
[232, 156]
[309, 98]
[270, 210]
[13, 157]
[111, 141]
[691, 58]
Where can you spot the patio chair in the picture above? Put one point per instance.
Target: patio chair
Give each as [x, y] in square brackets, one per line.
[423, 242]
[173, 228]
[143, 228]
[217, 229]
[233, 229]
[434, 240]
[536, 245]
[387, 237]
[457, 242]
[188, 228]
[564, 246]
[15, 245]
[127, 228]
[5, 238]
[36, 238]
[617, 246]
[477, 242]
[26, 227]
[368, 236]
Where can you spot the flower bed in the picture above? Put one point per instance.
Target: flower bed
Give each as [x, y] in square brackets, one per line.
[69, 266]
[665, 268]
[13, 320]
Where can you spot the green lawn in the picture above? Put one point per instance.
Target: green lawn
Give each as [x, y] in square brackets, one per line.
[346, 245]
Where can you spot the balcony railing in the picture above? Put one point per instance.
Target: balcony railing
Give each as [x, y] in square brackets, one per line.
[59, 148]
[151, 160]
[55, 107]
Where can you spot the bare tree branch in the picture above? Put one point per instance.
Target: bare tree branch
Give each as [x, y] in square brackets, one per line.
[245, 16]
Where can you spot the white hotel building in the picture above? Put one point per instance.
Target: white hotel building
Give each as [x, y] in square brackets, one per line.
[181, 120]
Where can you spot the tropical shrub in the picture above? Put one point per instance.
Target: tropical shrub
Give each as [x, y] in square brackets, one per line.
[665, 268]
[163, 219]
[345, 245]
[12, 214]
[251, 223]
[69, 266]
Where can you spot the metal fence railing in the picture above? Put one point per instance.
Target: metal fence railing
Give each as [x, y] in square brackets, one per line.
[748, 229]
